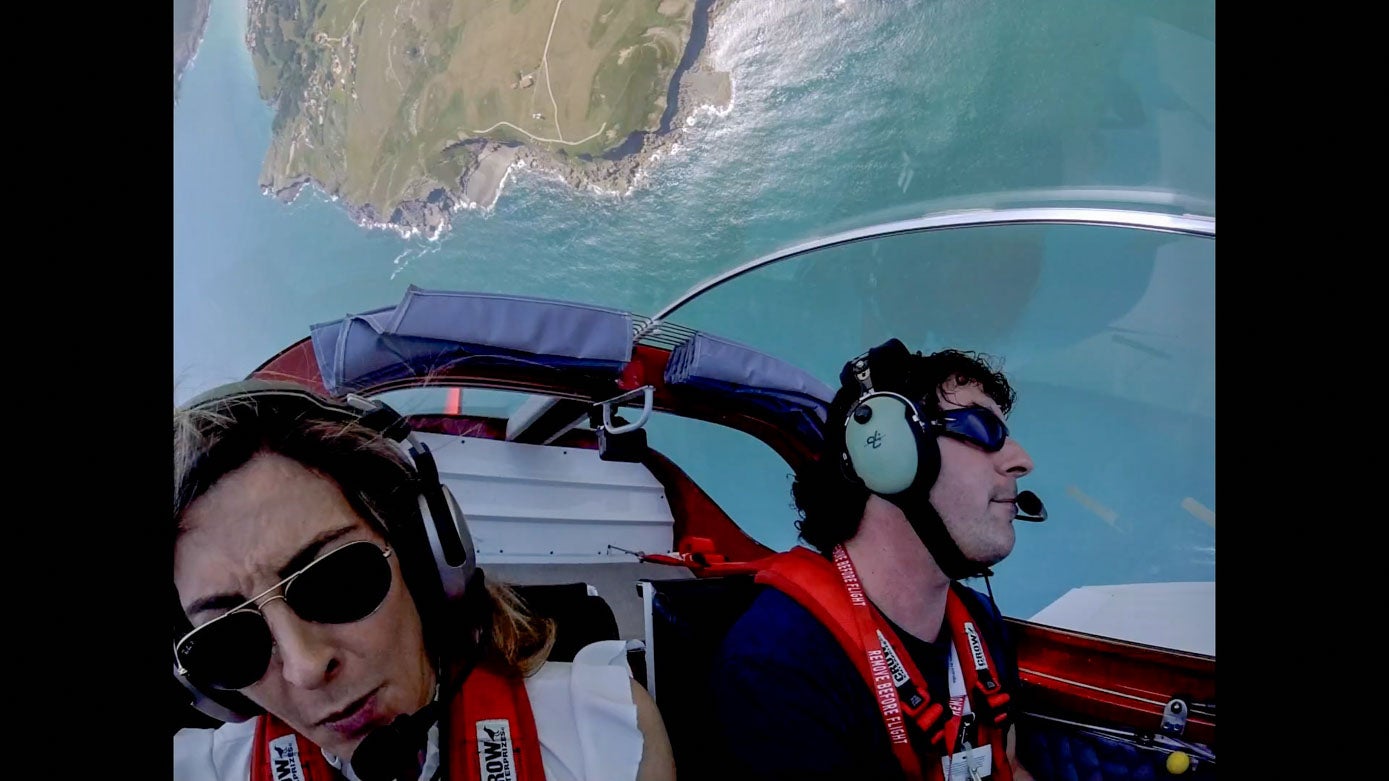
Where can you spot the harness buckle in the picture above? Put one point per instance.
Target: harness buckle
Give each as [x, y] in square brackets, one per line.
[928, 717]
[996, 704]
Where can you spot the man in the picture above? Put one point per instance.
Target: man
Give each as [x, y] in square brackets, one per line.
[867, 659]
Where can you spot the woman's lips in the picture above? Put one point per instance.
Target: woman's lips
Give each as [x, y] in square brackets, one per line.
[354, 718]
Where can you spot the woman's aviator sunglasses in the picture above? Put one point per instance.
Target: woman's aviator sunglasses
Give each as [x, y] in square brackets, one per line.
[232, 651]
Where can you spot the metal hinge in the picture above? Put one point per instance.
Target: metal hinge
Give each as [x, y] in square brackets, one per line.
[1174, 716]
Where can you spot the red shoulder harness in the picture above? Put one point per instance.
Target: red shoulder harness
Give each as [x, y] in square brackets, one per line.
[832, 593]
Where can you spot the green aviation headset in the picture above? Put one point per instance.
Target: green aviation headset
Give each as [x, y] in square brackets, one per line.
[888, 445]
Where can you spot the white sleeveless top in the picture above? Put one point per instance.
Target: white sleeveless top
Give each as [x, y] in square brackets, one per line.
[584, 717]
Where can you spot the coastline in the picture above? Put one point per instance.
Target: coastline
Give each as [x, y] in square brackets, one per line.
[695, 86]
[187, 53]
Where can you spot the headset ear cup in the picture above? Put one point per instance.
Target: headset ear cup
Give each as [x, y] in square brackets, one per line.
[441, 515]
[450, 542]
[881, 443]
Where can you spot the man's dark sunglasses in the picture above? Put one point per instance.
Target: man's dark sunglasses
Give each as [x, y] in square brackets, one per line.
[232, 651]
[975, 425]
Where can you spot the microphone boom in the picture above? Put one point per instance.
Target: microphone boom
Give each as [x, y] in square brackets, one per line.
[1030, 508]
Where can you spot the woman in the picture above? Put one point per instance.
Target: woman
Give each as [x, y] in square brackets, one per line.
[330, 610]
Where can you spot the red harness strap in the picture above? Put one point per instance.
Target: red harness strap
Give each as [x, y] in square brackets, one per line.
[278, 753]
[833, 594]
[492, 737]
[497, 738]
[982, 686]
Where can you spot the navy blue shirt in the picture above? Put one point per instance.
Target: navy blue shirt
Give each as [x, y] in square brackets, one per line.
[791, 704]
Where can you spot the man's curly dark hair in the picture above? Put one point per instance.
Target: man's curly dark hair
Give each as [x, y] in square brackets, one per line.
[830, 502]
